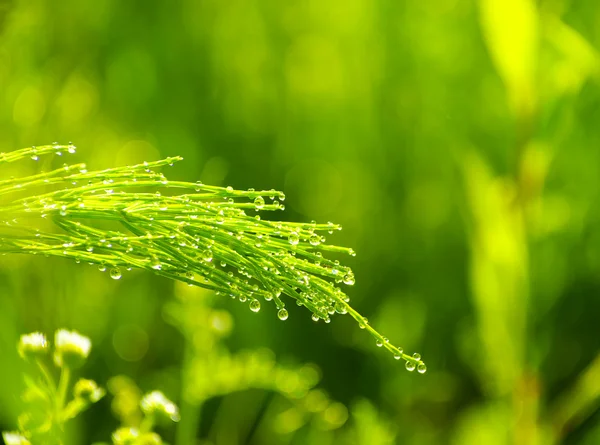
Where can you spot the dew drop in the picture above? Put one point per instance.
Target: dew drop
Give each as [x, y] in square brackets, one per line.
[410, 366]
[421, 369]
[349, 279]
[340, 308]
[259, 202]
[207, 256]
[71, 148]
[115, 273]
[314, 239]
[379, 343]
[102, 268]
[315, 317]
[397, 356]
[417, 356]
[282, 314]
[294, 238]
[156, 264]
[255, 305]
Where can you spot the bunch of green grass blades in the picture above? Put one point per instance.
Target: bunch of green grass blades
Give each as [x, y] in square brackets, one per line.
[134, 217]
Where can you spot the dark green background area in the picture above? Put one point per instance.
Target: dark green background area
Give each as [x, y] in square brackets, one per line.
[392, 118]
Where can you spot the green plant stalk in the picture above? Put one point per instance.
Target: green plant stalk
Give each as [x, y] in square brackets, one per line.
[63, 387]
[188, 426]
[191, 232]
[47, 377]
[147, 424]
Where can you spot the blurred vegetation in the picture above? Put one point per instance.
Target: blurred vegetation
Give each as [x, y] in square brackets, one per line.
[455, 141]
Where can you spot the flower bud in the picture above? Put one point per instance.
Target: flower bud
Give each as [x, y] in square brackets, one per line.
[71, 349]
[88, 391]
[32, 346]
[155, 403]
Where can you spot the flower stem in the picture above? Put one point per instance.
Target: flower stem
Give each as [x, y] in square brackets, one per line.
[63, 385]
[147, 424]
[187, 428]
[47, 377]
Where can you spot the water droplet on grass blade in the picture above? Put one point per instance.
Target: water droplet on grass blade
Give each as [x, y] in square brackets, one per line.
[255, 305]
[314, 239]
[410, 366]
[294, 238]
[282, 314]
[115, 273]
[259, 202]
[155, 264]
[340, 308]
[207, 256]
[421, 369]
[349, 279]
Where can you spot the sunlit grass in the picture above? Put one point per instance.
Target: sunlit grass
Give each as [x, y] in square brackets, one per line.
[134, 217]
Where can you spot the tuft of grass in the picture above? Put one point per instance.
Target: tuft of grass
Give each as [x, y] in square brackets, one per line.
[134, 217]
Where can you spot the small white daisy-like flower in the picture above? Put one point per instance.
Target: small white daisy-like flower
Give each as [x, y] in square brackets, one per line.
[88, 390]
[156, 403]
[32, 345]
[12, 438]
[71, 348]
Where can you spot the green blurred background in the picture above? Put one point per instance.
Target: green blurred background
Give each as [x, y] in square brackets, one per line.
[456, 141]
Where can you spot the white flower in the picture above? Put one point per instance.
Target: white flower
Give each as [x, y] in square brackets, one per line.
[156, 403]
[71, 348]
[11, 438]
[32, 345]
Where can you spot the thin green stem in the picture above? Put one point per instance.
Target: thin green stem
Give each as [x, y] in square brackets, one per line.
[187, 428]
[208, 236]
[63, 386]
[47, 377]
[147, 424]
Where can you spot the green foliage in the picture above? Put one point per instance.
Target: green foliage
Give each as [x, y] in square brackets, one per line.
[191, 232]
[211, 371]
[48, 405]
[454, 140]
